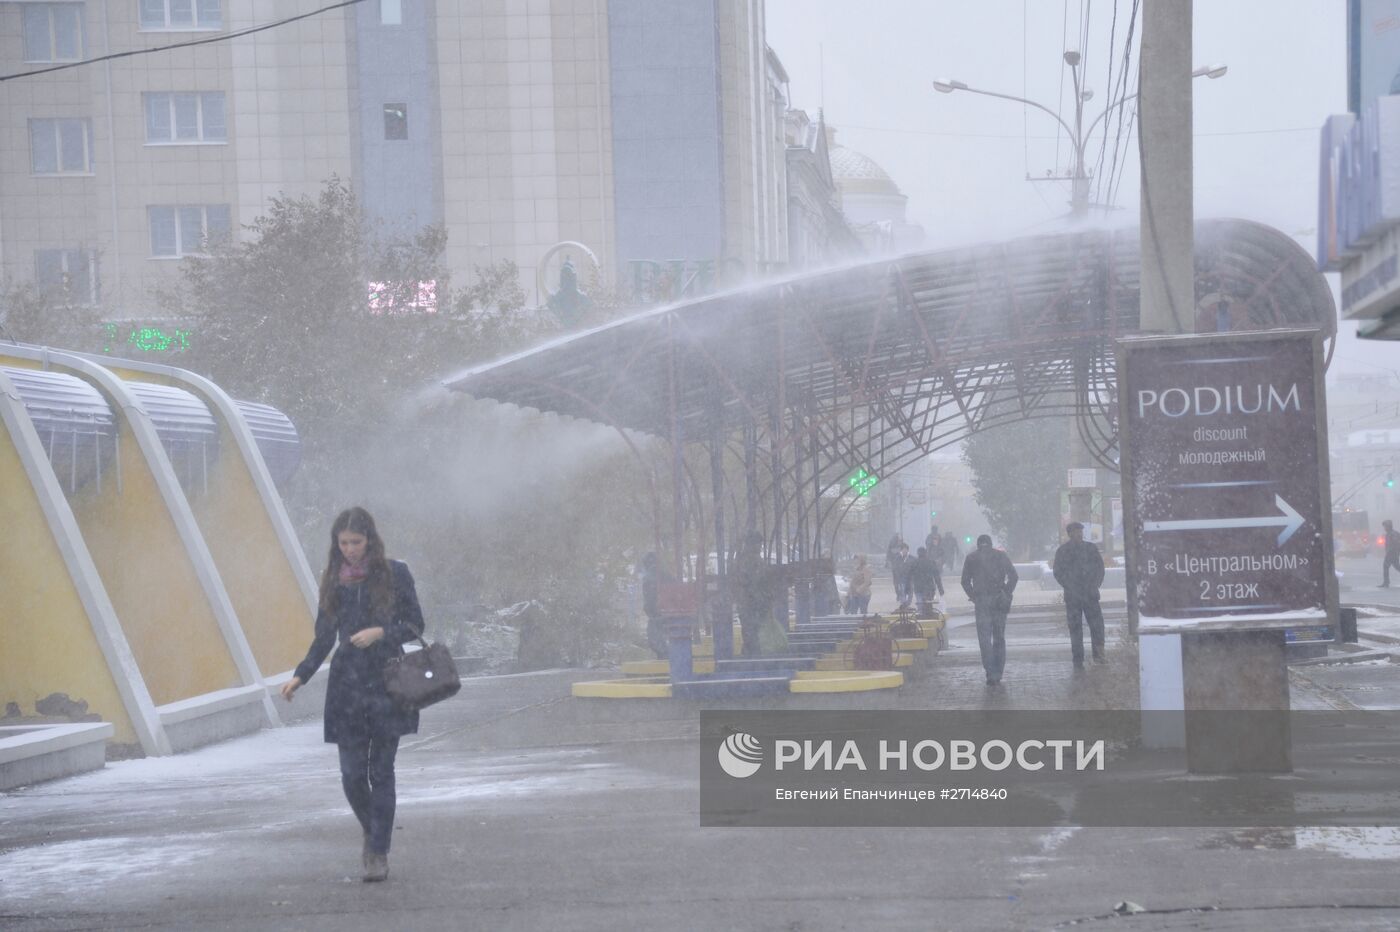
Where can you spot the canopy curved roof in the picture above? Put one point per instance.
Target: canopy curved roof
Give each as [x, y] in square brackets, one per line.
[926, 347]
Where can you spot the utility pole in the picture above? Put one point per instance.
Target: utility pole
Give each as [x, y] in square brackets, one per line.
[1165, 150]
[1168, 284]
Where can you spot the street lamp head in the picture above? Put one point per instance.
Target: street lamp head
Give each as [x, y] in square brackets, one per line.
[947, 85]
[1210, 71]
[1072, 59]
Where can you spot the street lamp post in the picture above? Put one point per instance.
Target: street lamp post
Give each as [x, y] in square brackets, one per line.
[1079, 135]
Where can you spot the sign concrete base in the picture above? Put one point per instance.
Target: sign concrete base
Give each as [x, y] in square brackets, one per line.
[1232, 681]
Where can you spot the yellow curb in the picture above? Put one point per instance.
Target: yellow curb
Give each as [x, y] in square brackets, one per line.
[819, 681]
[838, 662]
[663, 667]
[622, 689]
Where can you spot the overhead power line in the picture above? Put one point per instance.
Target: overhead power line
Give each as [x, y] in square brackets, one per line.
[930, 132]
[221, 37]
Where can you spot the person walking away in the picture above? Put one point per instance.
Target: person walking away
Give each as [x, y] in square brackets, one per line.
[369, 603]
[988, 578]
[858, 589]
[826, 595]
[1079, 571]
[652, 578]
[951, 549]
[753, 596]
[926, 581]
[1392, 552]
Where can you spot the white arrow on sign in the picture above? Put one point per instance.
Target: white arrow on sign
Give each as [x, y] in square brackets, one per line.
[1289, 521]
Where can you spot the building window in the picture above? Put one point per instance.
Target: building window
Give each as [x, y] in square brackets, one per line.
[185, 118]
[53, 31]
[396, 121]
[186, 230]
[391, 12]
[181, 14]
[67, 274]
[60, 147]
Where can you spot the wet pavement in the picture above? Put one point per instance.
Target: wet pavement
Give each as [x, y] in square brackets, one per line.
[521, 808]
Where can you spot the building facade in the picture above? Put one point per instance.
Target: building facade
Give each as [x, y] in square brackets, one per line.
[872, 202]
[648, 133]
[818, 233]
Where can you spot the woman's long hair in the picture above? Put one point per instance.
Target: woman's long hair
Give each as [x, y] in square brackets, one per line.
[379, 584]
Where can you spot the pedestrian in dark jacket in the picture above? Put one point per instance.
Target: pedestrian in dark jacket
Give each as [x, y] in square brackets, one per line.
[901, 567]
[951, 550]
[934, 544]
[652, 578]
[369, 603]
[1079, 571]
[892, 551]
[926, 581]
[753, 591]
[1392, 552]
[988, 578]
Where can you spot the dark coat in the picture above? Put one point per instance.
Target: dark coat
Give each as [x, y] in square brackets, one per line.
[988, 572]
[356, 704]
[1079, 570]
[925, 577]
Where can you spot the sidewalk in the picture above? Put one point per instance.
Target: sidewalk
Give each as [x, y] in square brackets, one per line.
[521, 808]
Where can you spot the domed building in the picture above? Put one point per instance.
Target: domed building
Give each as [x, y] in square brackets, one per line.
[871, 201]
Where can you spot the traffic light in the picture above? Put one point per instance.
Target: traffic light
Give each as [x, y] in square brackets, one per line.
[1390, 481]
[967, 539]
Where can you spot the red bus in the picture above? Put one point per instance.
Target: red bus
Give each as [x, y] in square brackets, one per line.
[1351, 533]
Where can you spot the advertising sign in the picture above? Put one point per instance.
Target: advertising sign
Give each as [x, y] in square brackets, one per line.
[1082, 478]
[1224, 471]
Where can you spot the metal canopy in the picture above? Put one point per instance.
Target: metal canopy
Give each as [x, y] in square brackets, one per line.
[904, 337]
[794, 384]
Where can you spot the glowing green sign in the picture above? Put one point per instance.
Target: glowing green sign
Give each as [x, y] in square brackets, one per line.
[863, 481]
[149, 339]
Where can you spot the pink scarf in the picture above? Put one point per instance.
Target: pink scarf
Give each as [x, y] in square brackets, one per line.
[354, 572]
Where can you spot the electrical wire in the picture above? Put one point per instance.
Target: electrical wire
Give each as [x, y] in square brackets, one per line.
[1025, 111]
[1060, 95]
[1119, 133]
[1108, 84]
[222, 37]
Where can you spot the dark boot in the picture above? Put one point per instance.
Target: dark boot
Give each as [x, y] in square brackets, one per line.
[376, 867]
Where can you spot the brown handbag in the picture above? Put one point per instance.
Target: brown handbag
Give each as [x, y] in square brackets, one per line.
[417, 680]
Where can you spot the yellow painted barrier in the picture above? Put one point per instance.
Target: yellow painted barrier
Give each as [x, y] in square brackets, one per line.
[147, 571]
[825, 681]
[50, 642]
[266, 576]
[623, 689]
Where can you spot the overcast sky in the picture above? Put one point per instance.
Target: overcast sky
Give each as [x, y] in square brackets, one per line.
[962, 159]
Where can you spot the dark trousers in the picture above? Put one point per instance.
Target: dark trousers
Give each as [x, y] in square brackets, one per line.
[991, 637]
[1078, 611]
[748, 623]
[367, 773]
[857, 604]
[657, 637]
[1391, 559]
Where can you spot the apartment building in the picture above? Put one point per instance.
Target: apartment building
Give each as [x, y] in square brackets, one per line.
[642, 134]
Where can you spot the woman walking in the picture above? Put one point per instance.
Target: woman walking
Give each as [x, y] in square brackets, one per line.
[369, 603]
